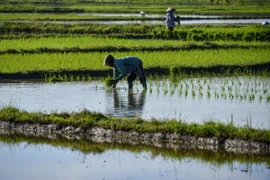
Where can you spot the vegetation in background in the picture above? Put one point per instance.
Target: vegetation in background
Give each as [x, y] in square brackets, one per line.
[130, 6]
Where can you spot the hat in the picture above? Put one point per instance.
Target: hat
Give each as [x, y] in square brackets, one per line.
[170, 9]
[108, 61]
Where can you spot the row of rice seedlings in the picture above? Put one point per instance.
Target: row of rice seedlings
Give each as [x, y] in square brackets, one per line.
[11, 63]
[233, 89]
[66, 78]
[55, 44]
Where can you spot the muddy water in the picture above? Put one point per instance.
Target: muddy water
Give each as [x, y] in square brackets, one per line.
[31, 159]
[241, 100]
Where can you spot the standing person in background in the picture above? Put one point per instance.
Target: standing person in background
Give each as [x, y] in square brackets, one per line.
[129, 65]
[170, 18]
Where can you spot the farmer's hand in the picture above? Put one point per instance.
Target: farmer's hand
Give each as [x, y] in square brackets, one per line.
[115, 81]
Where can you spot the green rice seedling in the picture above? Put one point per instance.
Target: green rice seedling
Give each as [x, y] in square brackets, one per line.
[193, 94]
[223, 88]
[268, 98]
[208, 94]
[237, 95]
[165, 90]
[201, 94]
[186, 92]
[108, 82]
[200, 87]
[231, 96]
[171, 91]
[158, 84]
[89, 78]
[54, 78]
[65, 77]
[78, 78]
[150, 90]
[46, 77]
[260, 98]
[180, 91]
[71, 77]
[83, 78]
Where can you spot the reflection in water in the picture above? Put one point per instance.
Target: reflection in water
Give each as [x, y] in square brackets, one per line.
[83, 159]
[125, 103]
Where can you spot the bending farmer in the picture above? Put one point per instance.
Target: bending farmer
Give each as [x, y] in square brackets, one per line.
[130, 65]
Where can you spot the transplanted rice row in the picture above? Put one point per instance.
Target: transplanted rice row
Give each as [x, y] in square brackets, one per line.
[94, 61]
[228, 88]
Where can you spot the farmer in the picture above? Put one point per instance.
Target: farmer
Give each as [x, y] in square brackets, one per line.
[129, 65]
[170, 18]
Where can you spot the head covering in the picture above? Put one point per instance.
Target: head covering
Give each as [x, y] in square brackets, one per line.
[108, 61]
[170, 9]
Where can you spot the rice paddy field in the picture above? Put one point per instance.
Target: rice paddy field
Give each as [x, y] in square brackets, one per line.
[211, 80]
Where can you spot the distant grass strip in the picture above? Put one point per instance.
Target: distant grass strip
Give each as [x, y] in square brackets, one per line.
[23, 63]
[124, 6]
[90, 44]
[87, 119]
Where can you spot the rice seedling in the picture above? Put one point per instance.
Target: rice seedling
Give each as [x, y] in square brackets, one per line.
[108, 82]
[268, 98]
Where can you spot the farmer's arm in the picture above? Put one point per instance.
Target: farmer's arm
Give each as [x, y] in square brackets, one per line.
[122, 71]
[116, 73]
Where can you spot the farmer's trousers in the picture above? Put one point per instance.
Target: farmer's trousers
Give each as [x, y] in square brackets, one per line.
[139, 71]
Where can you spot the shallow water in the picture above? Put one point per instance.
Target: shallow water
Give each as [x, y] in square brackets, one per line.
[161, 22]
[241, 100]
[197, 19]
[54, 159]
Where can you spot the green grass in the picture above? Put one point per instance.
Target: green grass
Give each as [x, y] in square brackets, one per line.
[54, 44]
[150, 6]
[87, 119]
[94, 61]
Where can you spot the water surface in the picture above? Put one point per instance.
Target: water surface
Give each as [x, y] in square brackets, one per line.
[32, 159]
[242, 101]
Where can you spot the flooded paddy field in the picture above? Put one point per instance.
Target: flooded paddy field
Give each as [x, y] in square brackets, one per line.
[126, 18]
[79, 159]
[238, 100]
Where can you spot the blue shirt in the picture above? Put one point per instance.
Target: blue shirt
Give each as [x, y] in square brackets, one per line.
[124, 66]
[170, 20]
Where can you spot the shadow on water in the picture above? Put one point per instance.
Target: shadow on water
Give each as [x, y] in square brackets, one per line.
[129, 104]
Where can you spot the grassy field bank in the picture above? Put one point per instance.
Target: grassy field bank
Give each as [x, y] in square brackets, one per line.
[86, 119]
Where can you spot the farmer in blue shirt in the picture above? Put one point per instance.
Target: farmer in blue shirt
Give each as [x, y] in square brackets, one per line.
[129, 65]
